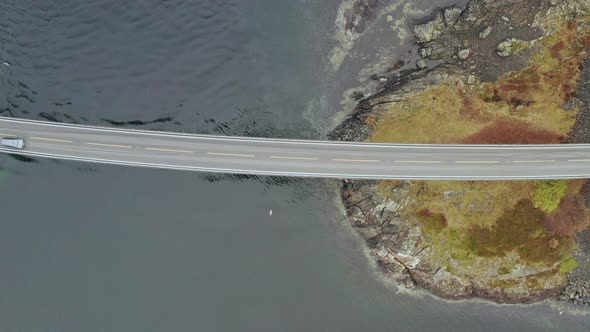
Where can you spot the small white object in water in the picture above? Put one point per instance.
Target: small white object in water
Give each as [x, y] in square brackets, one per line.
[270, 213]
[6, 64]
[561, 312]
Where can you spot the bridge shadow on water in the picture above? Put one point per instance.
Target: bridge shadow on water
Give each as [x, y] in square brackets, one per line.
[23, 159]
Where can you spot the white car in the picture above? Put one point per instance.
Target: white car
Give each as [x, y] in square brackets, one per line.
[13, 142]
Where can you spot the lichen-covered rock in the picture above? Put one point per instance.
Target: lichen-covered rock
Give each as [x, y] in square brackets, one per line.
[425, 52]
[451, 15]
[444, 284]
[430, 30]
[421, 64]
[483, 34]
[512, 46]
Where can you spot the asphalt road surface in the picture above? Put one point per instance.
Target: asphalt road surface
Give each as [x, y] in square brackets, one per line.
[240, 155]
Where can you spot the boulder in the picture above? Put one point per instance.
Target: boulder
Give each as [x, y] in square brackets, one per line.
[464, 54]
[430, 30]
[451, 15]
[483, 34]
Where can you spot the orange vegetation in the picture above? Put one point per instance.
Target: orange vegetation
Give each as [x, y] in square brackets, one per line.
[572, 215]
[512, 132]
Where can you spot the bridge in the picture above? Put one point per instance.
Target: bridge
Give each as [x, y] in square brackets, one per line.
[301, 158]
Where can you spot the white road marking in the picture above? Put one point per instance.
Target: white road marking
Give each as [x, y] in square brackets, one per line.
[533, 161]
[110, 145]
[418, 161]
[50, 139]
[169, 150]
[579, 160]
[477, 161]
[231, 154]
[358, 160]
[293, 158]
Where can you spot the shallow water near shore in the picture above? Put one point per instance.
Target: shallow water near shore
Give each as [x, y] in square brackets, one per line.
[107, 248]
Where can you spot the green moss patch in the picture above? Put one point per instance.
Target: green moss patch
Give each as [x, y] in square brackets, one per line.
[567, 265]
[548, 194]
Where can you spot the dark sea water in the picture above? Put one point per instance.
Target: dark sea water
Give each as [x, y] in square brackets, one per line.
[104, 248]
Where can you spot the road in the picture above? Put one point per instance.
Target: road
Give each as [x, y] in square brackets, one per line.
[240, 155]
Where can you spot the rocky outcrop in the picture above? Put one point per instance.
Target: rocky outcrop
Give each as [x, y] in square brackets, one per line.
[398, 245]
[394, 87]
[512, 46]
[577, 292]
[359, 14]
[483, 28]
[484, 40]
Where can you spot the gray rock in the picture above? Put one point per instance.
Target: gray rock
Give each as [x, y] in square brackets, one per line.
[483, 34]
[430, 30]
[382, 252]
[425, 52]
[357, 95]
[409, 283]
[448, 194]
[367, 232]
[576, 292]
[451, 15]
[470, 79]
[443, 51]
[421, 64]
[464, 54]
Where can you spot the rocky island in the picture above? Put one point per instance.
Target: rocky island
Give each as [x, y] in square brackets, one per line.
[491, 72]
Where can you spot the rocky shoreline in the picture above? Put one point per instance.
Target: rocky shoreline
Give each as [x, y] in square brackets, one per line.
[576, 292]
[476, 44]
